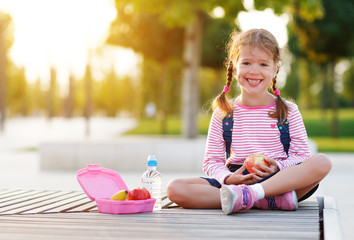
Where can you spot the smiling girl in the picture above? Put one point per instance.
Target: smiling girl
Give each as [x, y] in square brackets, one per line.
[292, 175]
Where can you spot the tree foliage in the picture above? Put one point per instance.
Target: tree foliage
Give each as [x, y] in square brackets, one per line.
[328, 38]
[348, 82]
[216, 34]
[145, 34]
[155, 22]
[5, 43]
[323, 38]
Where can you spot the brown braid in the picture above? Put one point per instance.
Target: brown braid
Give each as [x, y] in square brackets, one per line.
[229, 73]
[281, 109]
[221, 101]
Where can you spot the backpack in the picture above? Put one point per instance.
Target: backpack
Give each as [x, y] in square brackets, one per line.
[227, 125]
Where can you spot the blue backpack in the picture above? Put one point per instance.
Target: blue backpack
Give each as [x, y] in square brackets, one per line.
[227, 126]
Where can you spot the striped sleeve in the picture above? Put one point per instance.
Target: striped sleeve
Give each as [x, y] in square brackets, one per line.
[214, 159]
[299, 150]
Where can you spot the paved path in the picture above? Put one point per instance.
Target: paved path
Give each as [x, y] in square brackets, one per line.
[19, 164]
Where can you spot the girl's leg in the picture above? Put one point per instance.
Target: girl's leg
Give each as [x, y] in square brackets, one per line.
[193, 193]
[301, 178]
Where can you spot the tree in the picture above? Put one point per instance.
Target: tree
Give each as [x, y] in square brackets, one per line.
[324, 38]
[189, 16]
[69, 100]
[216, 34]
[348, 82]
[146, 35]
[53, 95]
[5, 44]
[107, 97]
[17, 98]
[38, 97]
[327, 41]
[88, 98]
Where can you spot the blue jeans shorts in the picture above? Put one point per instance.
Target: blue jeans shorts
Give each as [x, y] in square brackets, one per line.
[233, 168]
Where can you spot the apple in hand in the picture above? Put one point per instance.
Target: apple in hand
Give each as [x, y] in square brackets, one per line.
[252, 160]
[138, 194]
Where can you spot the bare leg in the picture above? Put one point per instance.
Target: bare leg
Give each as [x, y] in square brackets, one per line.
[193, 193]
[301, 178]
[198, 193]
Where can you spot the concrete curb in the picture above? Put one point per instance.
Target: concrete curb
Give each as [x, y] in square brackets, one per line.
[127, 153]
[124, 154]
[332, 226]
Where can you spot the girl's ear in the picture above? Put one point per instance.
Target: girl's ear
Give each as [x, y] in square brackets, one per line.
[276, 70]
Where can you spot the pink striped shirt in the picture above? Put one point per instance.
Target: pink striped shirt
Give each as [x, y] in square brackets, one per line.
[254, 131]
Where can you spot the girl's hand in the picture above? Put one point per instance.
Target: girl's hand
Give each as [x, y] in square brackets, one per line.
[266, 171]
[237, 177]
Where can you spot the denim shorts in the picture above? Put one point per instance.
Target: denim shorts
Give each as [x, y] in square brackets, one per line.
[233, 168]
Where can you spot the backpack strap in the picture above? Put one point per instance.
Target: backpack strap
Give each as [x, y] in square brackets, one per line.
[284, 134]
[227, 126]
[228, 123]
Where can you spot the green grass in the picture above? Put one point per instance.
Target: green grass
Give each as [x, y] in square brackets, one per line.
[318, 126]
[147, 126]
[326, 144]
[174, 126]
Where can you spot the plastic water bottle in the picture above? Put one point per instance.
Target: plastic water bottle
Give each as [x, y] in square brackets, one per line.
[151, 180]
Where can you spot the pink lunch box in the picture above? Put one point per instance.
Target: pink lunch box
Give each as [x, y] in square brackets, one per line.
[100, 184]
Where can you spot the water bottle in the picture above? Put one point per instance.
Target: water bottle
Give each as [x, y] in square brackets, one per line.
[151, 180]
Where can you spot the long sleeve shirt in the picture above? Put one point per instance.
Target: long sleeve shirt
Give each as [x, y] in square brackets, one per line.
[254, 131]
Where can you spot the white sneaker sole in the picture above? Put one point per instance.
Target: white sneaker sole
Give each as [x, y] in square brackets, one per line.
[295, 202]
[228, 199]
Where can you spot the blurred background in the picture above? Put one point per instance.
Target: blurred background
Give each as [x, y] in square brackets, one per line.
[161, 63]
[84, 79]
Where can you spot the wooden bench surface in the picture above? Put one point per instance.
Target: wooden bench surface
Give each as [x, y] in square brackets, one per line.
[39, 214]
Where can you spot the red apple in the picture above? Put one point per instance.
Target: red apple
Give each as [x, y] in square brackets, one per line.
[253, 159]
[138, 194]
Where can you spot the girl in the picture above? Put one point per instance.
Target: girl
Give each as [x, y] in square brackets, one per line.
[253, 57]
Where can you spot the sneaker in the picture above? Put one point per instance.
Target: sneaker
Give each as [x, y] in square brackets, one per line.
[287, 201]
[236, 198]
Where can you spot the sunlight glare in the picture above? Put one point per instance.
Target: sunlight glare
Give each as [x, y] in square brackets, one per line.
[59, 33]
[265, 19]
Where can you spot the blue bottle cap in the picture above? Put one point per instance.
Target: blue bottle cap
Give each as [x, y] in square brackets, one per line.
[152, 161]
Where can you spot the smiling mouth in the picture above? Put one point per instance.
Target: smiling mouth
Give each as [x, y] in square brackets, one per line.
[253, 81]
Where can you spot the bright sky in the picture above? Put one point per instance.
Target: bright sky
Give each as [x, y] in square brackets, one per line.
[64, 33]
[267, 20]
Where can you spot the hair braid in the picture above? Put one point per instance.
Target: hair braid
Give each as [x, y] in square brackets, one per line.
[221, 101]
[229, 73]
[281, 110]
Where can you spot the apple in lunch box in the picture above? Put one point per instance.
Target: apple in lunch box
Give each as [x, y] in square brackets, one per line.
[252, 160]
[138, 194]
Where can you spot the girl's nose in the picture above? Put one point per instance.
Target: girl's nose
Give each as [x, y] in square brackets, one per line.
[254, 69]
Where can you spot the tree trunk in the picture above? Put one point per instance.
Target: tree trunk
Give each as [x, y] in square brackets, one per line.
[88, 104]
[334, 101]
[163, 98]
[325, 91]
[2, 76]
[69, 106]
[190, 86]
[51, 94]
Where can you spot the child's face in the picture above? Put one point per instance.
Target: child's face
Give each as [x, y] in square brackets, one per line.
[255, 70]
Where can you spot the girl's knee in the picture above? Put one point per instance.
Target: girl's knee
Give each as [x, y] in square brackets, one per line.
[322, 165]
[174, 189]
